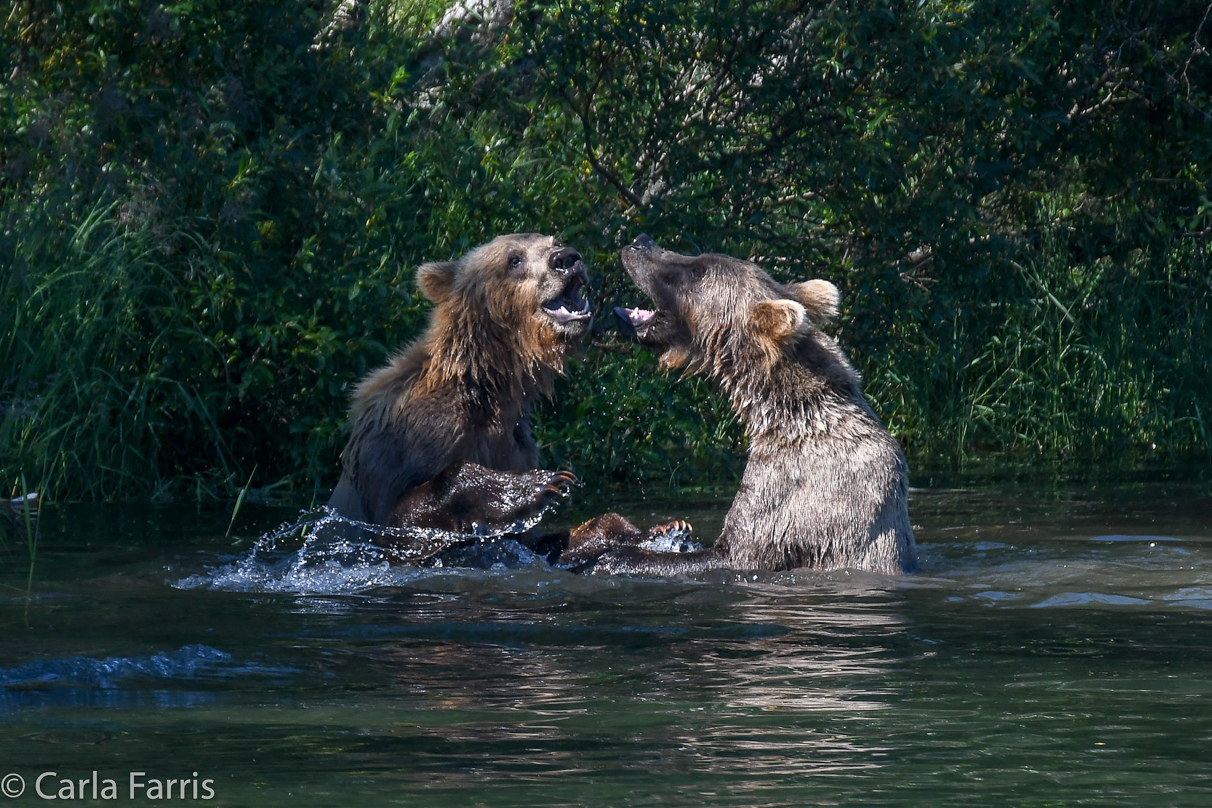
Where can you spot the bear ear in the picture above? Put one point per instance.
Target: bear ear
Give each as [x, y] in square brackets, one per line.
[779, 320]
[820, 299]
[436, 279]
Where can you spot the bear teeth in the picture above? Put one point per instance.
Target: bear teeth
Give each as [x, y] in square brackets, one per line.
[563, 315]
[639, 317]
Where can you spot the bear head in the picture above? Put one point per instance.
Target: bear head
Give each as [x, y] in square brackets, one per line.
[527, 285]
[710, 306]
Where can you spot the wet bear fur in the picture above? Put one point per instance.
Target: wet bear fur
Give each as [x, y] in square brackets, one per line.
[825, 485]
[440, 437]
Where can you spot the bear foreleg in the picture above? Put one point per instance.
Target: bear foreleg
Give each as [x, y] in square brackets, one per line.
[466, 497]
[610, 532]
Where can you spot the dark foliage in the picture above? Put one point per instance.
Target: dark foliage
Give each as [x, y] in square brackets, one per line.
[209, 214]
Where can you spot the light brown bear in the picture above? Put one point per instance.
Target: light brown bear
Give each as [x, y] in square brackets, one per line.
[825, 485]
[440, 437]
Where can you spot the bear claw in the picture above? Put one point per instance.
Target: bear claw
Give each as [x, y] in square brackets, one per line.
[676, 526]
[560, 485]
[562, 481]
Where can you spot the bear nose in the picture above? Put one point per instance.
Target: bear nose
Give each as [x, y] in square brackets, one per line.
[565, 260]
[643, 242]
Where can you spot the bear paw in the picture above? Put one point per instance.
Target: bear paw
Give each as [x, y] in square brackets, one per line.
[677, 526]
[529, 506]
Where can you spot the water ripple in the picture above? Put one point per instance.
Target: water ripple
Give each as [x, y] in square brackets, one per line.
[104, 673]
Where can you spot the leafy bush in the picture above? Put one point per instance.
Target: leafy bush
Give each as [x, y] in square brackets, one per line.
[212, 210]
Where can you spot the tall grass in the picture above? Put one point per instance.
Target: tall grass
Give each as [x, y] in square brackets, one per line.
[93, 317]
[1104, 358]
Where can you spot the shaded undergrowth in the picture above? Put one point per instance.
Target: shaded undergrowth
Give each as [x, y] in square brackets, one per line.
[210, 219]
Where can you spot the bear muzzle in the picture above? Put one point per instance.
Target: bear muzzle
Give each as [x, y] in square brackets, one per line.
[637, 258]
[568, 307]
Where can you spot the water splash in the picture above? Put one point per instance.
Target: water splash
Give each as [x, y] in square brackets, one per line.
[322, 552]
[672, 542]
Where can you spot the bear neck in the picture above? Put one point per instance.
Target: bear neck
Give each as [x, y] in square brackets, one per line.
[807, 389]
[487, 362]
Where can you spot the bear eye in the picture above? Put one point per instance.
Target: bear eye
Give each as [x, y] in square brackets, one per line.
[515, 261]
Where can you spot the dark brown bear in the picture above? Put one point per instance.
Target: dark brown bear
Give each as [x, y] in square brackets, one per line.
[825, 485]
[440, 437]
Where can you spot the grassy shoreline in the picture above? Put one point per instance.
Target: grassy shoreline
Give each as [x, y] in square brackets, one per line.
[210, 221]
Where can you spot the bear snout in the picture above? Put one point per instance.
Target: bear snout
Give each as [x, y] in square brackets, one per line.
[643, 242]
[565, 261]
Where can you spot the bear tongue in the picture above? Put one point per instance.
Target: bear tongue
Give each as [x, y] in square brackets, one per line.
[639, 317]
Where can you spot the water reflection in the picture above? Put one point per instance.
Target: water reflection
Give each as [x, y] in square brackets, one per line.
[547, 689]
[832, 658]
[1053, 650]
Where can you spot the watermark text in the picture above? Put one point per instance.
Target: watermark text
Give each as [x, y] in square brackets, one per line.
[128, 786]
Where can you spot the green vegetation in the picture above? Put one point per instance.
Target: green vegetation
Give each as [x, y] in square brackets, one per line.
[210, 211]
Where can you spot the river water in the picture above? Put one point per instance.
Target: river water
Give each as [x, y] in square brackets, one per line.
[1054, 649]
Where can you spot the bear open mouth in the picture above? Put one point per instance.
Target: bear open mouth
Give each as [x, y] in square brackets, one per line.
[634, 323]
[638, 317]
[569, 306]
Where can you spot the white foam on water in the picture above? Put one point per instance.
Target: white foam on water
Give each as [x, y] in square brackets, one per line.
[675, 541]
[323, 553]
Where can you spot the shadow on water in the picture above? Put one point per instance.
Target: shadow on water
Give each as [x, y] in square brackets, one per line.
[1052, 651]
